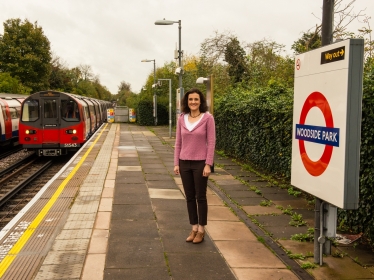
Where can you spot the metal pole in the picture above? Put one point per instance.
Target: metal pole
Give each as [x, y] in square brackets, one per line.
[180, 58]
[170, 108]
[326, 33]
[327, 22]
[170, 122]
[154, 89]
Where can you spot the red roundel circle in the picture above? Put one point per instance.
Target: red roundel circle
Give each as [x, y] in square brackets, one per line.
[316, 99]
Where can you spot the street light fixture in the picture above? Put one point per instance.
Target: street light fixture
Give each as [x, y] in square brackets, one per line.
[154, 88]
[209, 90]
[180, 53]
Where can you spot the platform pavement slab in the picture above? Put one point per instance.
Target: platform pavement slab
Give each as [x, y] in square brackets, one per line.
[280, 198]
[131, 209]
[228, 252]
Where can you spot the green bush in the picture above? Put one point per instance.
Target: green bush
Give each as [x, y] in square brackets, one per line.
[362, 219]
[260, 126]
[255, 127]
[145, 113]
[162, 115]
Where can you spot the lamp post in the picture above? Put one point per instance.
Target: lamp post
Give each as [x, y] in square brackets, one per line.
[169, 104]
[154, 88]
[180, 53]
[209, 91]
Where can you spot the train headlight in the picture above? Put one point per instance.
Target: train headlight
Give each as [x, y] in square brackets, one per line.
[71, 131]
[30, 131]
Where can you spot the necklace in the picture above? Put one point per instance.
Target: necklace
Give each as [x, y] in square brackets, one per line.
[195, 116]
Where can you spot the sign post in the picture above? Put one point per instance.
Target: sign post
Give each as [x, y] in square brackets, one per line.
[327, 125]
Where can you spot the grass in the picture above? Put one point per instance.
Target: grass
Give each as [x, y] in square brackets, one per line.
[303, 237]
[308, 265]
[297, 220]
[266, 203]
[292, 191]
[288, 210]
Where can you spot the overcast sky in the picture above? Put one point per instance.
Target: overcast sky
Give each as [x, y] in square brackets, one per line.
[113, 36]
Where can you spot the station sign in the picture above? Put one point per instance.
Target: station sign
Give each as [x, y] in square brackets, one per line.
[327, 122]
[110, 115]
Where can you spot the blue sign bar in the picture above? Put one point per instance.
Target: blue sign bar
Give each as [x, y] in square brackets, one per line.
[318, 134]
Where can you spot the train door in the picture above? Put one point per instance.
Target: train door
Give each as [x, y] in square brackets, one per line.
[3, 120]
[15, 113]
[51, 119]
[98, 113]
[91, 109]
[7, 121]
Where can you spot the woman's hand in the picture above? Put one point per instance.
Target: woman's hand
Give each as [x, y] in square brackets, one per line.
[207, 170]
[176, 170]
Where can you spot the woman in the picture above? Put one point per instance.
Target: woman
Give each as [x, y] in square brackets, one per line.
[193, 158]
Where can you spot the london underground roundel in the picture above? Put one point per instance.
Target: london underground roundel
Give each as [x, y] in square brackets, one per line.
[328, 136]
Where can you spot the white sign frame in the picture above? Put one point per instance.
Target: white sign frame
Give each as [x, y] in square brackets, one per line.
[328, 90]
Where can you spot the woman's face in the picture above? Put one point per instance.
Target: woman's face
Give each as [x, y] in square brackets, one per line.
[194, 101]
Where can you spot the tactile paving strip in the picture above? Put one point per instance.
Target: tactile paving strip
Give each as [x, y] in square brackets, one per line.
[62, 271]
[66, 258]
[80, 220]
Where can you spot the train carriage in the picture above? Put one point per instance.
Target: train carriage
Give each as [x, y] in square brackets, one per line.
[54, 123]
[10, 108]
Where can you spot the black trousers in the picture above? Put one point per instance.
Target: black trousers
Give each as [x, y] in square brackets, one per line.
[195, 185]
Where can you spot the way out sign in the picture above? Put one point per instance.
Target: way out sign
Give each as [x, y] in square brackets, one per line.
[327, 122]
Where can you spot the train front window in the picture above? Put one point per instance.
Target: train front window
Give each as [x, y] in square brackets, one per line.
[30, 111]
[50, 109]
[69, 110]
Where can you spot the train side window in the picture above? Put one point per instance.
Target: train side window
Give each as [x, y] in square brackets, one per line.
[13, 113]
[70, 110]
[18, 109]
[3, 109]
[30, 110]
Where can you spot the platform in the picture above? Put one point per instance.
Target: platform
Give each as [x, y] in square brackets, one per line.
[117, 211]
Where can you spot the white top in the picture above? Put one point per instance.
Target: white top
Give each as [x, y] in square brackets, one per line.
[191, 125]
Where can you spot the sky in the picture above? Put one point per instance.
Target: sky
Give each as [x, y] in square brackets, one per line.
[113, 36]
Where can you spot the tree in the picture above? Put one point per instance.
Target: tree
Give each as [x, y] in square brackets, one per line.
[86, 72]
[85, 88]
[124, 92]
[237, 62]
[12, 85]
[25, 53]
[212, 54]
[308, 41]
[60, 77]
[344, 15]
[124, 87]
[267, 65]
[102, 92]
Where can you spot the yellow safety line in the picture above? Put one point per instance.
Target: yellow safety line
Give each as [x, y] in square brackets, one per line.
[12, 254]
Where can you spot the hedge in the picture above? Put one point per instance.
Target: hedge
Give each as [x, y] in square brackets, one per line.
[260, 126]
[255, 127]
[145, 113]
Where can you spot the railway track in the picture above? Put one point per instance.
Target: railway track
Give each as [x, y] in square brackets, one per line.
[22, 183]
[5, 153]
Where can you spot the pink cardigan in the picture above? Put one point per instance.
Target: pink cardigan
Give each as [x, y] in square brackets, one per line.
[198, 144]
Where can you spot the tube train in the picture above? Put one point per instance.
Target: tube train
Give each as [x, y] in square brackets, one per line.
[54, 123]
[10, 112]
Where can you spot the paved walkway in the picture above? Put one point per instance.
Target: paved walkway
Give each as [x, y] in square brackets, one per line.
[148, 223]
[141, 222]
